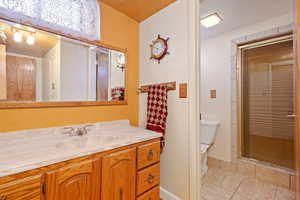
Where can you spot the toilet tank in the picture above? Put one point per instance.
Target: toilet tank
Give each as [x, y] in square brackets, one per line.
[208, 130]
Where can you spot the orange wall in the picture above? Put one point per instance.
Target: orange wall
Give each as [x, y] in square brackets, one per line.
[116, 29]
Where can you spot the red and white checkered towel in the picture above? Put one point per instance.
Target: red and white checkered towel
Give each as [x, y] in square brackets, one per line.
[117, 94]
[157, 109]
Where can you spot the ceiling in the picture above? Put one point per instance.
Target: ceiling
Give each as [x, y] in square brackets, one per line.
[239, 13]
[138, 10]
[44, 42]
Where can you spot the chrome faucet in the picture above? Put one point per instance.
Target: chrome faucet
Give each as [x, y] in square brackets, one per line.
[80, 131]
[70, 131]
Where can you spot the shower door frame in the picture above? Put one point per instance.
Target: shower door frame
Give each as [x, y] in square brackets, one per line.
[297, 60]
[240, 85]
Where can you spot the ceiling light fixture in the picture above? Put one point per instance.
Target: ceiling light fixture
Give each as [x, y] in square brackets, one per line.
[211, 20]
[30, 39]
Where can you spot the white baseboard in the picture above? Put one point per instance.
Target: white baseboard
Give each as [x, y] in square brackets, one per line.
[166, 195]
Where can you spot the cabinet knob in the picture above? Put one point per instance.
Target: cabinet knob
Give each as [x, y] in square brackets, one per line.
[150, 155]
[3, 197]
[150, 179]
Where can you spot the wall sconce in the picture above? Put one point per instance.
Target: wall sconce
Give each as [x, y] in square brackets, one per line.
[121, 62]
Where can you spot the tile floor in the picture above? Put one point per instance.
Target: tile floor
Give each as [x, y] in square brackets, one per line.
[223, 185]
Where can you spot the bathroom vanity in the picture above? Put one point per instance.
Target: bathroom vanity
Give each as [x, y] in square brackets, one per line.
[113, 161]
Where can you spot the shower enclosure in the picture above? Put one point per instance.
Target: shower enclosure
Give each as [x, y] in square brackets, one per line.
[267, 121]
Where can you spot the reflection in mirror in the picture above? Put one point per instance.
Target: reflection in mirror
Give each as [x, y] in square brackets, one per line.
[37, 66]
[110, 74]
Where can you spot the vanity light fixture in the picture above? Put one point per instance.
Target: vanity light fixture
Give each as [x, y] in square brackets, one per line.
[211, 20]
[30, 39]
[29, 32]
[18, 36]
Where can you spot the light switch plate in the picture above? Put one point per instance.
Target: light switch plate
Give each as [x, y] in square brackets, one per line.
[213, 93]
[183, 90]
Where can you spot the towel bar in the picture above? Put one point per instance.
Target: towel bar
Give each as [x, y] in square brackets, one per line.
[170, 85]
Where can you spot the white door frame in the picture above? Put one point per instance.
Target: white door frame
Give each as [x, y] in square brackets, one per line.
[193, 141]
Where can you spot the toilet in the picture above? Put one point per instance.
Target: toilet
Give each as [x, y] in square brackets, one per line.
[208, 130]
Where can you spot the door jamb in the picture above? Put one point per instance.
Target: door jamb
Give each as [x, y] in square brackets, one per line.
[194, 172]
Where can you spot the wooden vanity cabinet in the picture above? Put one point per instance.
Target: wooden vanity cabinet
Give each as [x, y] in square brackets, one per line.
[126, 173]
[80, 181]
[29, 188]
[148, 173]
[119, 175]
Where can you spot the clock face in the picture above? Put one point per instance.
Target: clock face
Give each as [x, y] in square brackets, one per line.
[158, 48]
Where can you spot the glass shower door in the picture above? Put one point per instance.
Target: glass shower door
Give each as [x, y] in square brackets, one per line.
[268, 103]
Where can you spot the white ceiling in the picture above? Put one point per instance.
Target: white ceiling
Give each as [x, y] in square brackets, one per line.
[239, 13]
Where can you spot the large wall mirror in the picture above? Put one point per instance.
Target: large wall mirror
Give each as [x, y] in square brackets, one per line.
[41, 67]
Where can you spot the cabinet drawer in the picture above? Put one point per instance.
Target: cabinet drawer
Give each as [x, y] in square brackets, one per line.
[148, 154]
[148, 178]
[151, 195]
[23, 189]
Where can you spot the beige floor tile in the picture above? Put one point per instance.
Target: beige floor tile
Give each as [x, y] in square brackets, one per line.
[246, 169]
[231, 181]
[228, 166]
[223, 185]
[248, 187]
[265, 192]
[285, 194]
[214, 177]
[211, 192]
[256, 190]
[238, 197]
[273, 176]
[213, 163]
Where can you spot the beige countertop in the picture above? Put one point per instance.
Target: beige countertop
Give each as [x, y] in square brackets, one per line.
[25, 150]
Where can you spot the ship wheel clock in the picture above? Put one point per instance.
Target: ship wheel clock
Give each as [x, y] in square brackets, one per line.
[159, 48]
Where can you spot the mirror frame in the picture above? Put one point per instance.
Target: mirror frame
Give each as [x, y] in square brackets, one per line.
[49, 104]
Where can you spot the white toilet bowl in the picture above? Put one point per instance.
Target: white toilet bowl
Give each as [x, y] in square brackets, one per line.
[208, 130]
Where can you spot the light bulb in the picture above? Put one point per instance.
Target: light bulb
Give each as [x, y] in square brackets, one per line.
[18, 37]
[30, 39]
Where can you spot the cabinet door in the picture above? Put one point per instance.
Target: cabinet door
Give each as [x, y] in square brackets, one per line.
[23, 189]
[118, 175]
[75, 182]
